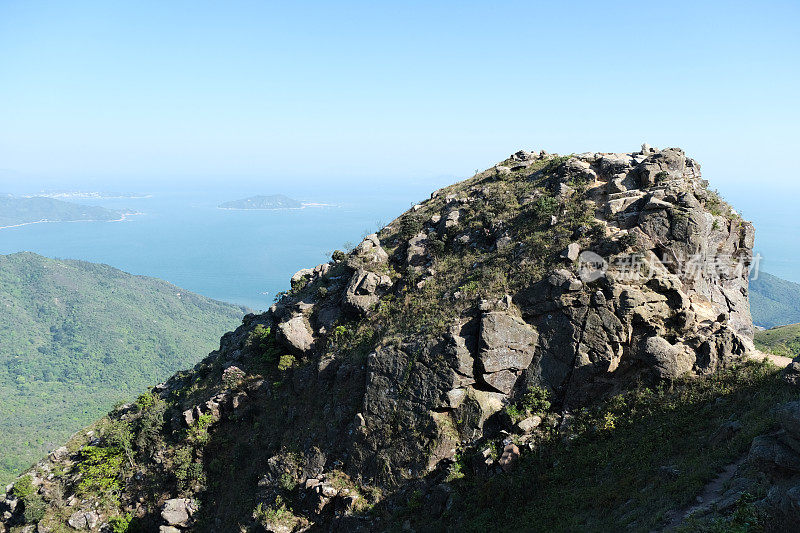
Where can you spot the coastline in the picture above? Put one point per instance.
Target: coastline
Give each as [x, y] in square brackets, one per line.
[304, 206]
[123, 218]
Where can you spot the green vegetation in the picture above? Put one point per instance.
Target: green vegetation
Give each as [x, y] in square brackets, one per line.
[101, 471]
[774, 301]
[627, 463]
[15, 211]
[469, 269]
[535, 401]
[77, 337]
[783, 340]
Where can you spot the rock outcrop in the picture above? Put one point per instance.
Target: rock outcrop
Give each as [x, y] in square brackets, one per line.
[578, 275]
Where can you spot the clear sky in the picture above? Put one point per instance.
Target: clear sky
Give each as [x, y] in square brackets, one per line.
[311, 90]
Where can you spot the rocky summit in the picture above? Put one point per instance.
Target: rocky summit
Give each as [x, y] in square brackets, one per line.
[490, 313]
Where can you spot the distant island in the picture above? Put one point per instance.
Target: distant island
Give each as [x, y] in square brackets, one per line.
[90, 195]
[16, 211]
[273, 201]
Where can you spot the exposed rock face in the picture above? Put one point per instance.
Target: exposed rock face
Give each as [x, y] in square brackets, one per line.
[362, 291]
[412, 345]
[507, 346]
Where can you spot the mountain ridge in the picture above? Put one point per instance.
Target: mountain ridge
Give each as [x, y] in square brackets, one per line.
[78, 336]
[481, 324]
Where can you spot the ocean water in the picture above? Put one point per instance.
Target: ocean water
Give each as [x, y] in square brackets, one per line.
[774, 213]
[246, 257]
[243, 257]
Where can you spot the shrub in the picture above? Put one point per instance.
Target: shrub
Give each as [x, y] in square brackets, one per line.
[146, 401]
[24, 487]
[35, 508]
[286, 362]
[338, 256]
[410, 225]
[33, 503]
[536, 400]
[437, 247]
[123, 524]
[186, 470]
[287, 482]
[100, 472]
[545, 206]
[150, 425]
[262, 338]
[232, 376]
[119, 435]
[198, 433]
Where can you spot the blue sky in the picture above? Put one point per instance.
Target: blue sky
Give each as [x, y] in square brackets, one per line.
[311, 90]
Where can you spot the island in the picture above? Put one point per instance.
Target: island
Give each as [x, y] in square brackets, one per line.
[91, 195]
[16, 211]
[273, 201]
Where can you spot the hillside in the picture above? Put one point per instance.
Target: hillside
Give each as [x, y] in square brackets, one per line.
[774, 301]
[780, 340]
[550, 321]
[76, 337]
[15, 211]
[275, 201]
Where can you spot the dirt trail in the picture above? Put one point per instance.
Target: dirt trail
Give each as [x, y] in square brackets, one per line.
[711, 494]
[778, 360]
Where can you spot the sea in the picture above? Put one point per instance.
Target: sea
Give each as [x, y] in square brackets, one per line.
[239, 256]
[247, 256]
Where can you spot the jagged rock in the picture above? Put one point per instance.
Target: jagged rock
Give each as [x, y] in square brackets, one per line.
[572, 252]
[507, 346]
[450, 219]
[668, 361]
[417, 254]
[177, 511]
[83, 520]
[509, 457]
[168, 529]
[791, 373]
[296, 334]
[389, 410]
[362, 291]
[529, 424]
[770, 452]
[789, 419]
[615, 163]
[663, 165]
[370, 250]
[300, 275]
[59, 454]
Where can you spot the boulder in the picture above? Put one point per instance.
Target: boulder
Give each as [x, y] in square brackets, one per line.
[83, 520]
[529, 424]
[362, 291]
[615, 163]
[370, 250]
[667, 361]
[295, 333]
[507, 345]
[789, 419]
[300, 275]
[416, 253]
[509, 457]
[665, 165]
[572, 252]
[177, 511]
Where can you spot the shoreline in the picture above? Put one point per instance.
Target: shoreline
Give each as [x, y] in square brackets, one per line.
[304, 206]
[123, 218]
